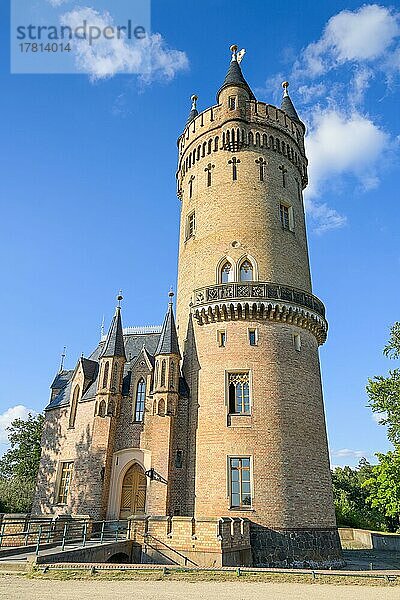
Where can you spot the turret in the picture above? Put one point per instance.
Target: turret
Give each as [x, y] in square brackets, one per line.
[112, 357]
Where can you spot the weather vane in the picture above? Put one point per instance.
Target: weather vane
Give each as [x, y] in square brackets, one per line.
[119, 298]
[237, 56]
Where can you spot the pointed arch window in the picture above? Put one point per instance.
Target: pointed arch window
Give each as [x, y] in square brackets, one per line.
[105, 374]
[172, 375]
[115, 382]
[246, 271]
[226, 272]
[140, 399]
[163, 370]
[74, 406]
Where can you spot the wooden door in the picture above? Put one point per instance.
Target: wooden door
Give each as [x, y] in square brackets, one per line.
[133, 495]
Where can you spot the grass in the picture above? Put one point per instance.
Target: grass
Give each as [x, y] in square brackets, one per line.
[214, 576]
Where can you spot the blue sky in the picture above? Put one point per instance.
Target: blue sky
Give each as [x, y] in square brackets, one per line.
[87, 186]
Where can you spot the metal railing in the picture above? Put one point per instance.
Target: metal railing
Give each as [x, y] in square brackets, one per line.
[257, 291]
[37, 535]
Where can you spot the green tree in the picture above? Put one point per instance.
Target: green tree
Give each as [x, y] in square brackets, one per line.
[350, 497]
[19, 465]
[383, 485]
[384, 392]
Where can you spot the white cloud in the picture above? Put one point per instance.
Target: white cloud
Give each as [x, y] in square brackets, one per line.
[365, 34]
[149, 58]
[6, 418]
[57, 2]
[347, 453]
[339, 144]
[323, 217]
[378, 416]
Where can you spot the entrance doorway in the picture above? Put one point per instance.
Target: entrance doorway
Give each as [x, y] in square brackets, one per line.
[133, 496]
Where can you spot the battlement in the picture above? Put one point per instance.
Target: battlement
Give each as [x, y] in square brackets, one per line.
[205, 541]
[264, 126]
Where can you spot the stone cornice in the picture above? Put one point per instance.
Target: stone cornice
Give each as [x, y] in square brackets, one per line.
[260, 300]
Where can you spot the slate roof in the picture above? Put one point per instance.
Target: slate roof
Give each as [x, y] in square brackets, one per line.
[192, 115]
[133, 345]
[168, 343]
[114, 345]
[235, 77]
[288, 106]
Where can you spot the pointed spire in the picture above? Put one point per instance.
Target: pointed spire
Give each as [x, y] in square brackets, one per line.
[193, 112]
[287, 104]
[168, 343]
[114, 345]
[234, 76]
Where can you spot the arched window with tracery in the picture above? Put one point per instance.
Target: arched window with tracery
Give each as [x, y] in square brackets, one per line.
[246, 271]
[105, 374]
[163, 370]
[115, 381]
[140, 399]
[74, 406]
[226, 273]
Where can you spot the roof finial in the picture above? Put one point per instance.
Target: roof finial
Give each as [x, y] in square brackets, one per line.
[102, 328]
[234, 50]
[171, 295]
[63, 355]
[194, 99]
[119, 298]
[285, 86]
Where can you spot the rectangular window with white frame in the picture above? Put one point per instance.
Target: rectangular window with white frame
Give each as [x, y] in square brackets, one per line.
[286, 216]
[240, 496]
[64, 483]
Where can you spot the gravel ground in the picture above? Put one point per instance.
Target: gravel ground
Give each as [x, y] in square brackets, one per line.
[20, 588]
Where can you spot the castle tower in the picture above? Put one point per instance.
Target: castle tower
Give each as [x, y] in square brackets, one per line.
[245, 308]
[109, 387]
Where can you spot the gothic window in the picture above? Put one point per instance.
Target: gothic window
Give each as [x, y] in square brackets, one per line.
[190, 225]
[172, 375]
[114, 384]
[111, 408]
[226, 272]
[161, 408]
[140, 399]
[105, 374]
[239, 393]
[74, 406]
[240, 484]
[246, 271]
[156, 375]
[216, 144]
[102, 408]
[163, 370]
[65, 481]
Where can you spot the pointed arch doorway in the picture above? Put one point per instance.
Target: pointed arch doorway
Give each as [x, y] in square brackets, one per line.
[133, 495]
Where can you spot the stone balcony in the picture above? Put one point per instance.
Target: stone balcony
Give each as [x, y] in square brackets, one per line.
[260, 300]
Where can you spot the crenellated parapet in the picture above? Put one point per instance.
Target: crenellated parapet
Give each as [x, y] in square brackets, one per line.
[263, 127]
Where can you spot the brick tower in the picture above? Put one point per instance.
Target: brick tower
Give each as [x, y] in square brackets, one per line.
[250, 327]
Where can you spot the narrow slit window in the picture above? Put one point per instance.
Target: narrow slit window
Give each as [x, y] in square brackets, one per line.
[253, 337]
[222, 339]
[232, 102]
[191, 225]
[297, 342]
[140, 400]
